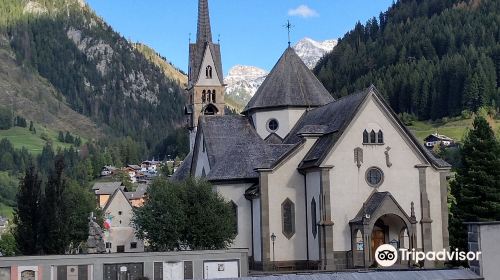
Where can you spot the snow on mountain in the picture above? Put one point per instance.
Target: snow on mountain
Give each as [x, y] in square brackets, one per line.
[312, 51]
[243, 81]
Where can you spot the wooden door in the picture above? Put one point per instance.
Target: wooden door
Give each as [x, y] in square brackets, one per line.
[378, 238]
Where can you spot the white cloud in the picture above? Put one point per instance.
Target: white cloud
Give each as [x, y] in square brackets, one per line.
[303, 11]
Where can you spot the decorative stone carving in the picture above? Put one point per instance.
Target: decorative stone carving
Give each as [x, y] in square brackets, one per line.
[95, 241]
[387, 159]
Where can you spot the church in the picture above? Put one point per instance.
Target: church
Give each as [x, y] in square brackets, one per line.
[316, 183]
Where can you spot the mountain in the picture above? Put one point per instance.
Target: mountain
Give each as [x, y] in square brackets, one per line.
[243, 81]
[167, 67]
[75, 68]
[311, 51]
[430, 58]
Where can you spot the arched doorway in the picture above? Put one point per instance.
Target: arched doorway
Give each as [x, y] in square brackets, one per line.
[387, 230]
[210, 110]
[381, 220]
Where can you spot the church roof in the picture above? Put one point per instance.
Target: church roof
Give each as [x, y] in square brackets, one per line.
[203, 39]
[290, 84]
[235, 149]
[183, 171]
[331, 120]
[196, 55]
[204, 32]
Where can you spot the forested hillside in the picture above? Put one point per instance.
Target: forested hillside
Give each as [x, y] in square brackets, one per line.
[429, 58]
[93, 69]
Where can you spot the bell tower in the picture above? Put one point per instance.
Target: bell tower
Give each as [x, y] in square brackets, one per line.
[205, 77]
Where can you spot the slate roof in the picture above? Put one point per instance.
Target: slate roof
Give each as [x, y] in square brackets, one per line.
[290, 84]
[196, 55]
[371, 205]
[235, 149]
[331, 120]
[183, 171]
[107, 187]
[442, 274]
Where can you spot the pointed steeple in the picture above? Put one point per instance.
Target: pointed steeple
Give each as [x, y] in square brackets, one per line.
[204, 30]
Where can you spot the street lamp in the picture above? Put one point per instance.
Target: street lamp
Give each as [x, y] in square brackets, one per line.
[273, 238]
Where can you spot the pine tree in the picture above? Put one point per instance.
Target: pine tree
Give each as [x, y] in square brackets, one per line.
[54, 227]
[27, 213]
[476, 187]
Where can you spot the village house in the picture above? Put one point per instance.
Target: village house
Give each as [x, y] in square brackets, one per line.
[119, 232]
[438, 139]
[316, 183]
[103, 191]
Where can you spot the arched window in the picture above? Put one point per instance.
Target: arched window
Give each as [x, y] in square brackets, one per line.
[209, 96]
[208, 72]
[365, 137]
[234, 207]
[204, 96]
[288, 218]
[314, 226]
[373, 137]
[213, 96]
[380, 137]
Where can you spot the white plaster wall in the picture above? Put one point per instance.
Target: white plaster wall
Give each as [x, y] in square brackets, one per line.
[256, 230]
[313, 190]
[287, 119]
[286, 182]
[434, 193]
[122, 232]
[235, 193]
[349, 189]
[490, 246]
[202, 79]
[202, 159]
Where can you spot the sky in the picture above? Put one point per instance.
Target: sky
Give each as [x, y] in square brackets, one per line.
[251, 32]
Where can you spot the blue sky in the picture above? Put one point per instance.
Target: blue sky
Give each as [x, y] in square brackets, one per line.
[251, 32]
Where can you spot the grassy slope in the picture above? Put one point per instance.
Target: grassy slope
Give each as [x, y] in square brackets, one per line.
[34, 98]
[22, 137]
[454, 129]
[6, 211]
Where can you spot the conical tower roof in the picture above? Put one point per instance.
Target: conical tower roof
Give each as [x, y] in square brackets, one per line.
[290, 84]
[204, 32]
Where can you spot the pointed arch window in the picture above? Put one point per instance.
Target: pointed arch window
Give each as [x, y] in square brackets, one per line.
[288, 218]
[373, 137]
[204, 96]
[314, 226]
[380, 137]
[208, 72]
[213, 96]
[365, 137]
[234, 208]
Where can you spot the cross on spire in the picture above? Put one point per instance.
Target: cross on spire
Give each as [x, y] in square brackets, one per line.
[289, 27]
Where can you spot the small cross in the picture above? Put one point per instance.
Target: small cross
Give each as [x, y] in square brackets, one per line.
[288, 26]
[218, 39]
[190, 37]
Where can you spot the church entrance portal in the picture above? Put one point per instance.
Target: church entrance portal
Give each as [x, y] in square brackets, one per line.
[381, 220]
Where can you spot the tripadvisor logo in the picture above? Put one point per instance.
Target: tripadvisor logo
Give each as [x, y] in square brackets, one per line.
[387, 255]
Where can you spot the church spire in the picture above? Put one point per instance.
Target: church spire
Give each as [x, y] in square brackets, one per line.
[204, 30]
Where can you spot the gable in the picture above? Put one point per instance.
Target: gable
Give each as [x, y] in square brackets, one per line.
[372, 115]
[338, 118]
[118, 202]
[208, 60]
